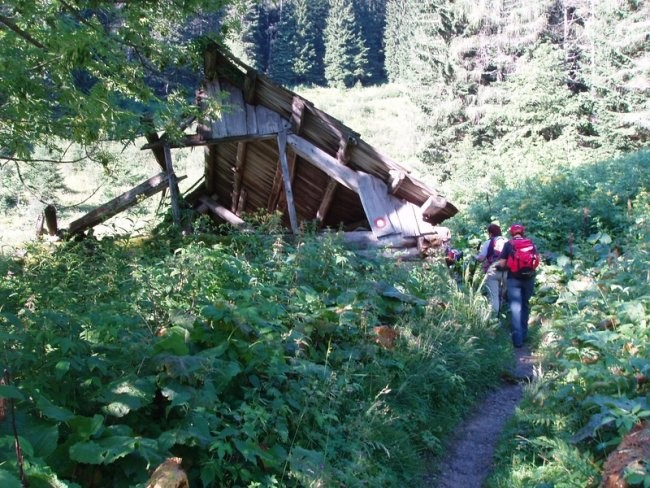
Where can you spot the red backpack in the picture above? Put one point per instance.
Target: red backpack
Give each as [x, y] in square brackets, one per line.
[523, 260]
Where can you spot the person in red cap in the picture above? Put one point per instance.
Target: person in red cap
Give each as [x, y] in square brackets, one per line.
[520, 258]
[495, 280]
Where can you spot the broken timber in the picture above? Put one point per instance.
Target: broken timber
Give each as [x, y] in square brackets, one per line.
[173, 185]
[128, 199]
[220, 211]
[286, 178]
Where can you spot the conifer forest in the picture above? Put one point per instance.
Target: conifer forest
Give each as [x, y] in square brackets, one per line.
[142, 354]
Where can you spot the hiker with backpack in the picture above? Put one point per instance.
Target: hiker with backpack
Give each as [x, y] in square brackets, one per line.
[520, 258]
[495, 279]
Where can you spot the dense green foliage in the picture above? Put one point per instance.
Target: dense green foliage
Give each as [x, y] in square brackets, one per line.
[252, 358]
[592, 386]
[313, 41]
[345, 50]
[89, 71]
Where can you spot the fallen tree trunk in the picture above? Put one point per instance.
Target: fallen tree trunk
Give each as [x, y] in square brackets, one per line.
[126, 200]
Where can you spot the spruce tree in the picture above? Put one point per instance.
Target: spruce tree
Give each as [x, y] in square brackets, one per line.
[614, 68]
[248, 42]
[396, 38]
[306, 64]
[319, 12]
[372, 19]
[427, 50]
[284, 46]
[345, 52]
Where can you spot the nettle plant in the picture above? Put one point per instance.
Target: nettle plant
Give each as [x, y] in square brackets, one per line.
[249, 355]
[594, 389]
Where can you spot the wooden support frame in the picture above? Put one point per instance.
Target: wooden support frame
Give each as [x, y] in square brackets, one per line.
[326, 202]
[173, 185]
[298, 106]
[222, 212]
[239, 172]
[128, 199]
[275, 197]
[155, 144]
[286, 178]
[343, 156]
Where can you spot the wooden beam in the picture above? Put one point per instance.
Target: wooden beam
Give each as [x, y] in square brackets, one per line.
[250, 83]
[368, 240]
[297, 114]
[275, 196]
[157, 147]
[343, 157]
[326, 202]
[220, 211]
[434, 205]
[343, 154]
[326, 163]
[128, 199]
[195, 140]
[173, 186]
[241, 204]
[286, 178]
[239, 173]
[210, 162]
[50, 220]
[297, 118]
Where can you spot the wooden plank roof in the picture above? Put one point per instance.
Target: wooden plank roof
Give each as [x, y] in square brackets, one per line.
[331, 175]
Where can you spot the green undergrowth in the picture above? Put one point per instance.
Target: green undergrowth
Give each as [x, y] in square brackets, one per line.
[251, 356]
[592, 385]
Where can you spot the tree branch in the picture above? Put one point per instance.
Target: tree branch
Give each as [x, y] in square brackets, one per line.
[9, 23]
[55, 161]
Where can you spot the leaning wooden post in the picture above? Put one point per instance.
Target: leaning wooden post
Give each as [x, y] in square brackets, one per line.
[286, 178]
[173, 185]
[50, 220]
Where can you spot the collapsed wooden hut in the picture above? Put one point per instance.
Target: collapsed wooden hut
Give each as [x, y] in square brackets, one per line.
[269, 148]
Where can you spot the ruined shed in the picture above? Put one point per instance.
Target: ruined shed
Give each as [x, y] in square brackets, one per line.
[269, 148]
[273, 149]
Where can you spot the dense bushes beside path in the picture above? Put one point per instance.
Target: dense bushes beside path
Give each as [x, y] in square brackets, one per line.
[250, 357]
[592, 386]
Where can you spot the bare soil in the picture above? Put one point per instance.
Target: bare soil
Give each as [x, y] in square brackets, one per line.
[471, 450]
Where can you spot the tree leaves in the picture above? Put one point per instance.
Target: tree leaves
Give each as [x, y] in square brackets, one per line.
[103, 451]
[86, 72]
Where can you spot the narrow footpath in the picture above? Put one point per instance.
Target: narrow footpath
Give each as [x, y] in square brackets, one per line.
[471, 451]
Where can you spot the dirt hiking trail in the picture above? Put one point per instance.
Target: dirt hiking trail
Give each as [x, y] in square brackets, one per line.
[471, 450]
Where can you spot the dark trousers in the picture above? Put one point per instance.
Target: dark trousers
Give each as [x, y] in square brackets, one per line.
[519, 293]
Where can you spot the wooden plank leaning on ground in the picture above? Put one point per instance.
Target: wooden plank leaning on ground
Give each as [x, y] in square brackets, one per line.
[126, 200]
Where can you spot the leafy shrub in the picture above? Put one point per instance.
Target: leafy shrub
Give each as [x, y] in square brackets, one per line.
[250, 356]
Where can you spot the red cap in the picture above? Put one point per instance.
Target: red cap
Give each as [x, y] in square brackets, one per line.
[517, 229]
